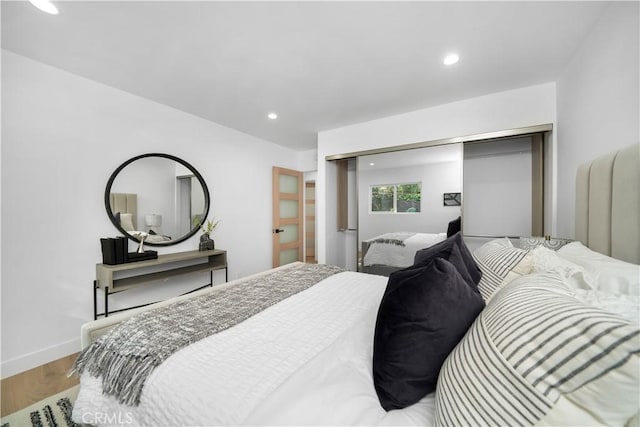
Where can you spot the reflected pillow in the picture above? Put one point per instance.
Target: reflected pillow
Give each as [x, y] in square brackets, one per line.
[126, 221]
[454, 226]
[424, 312]
[443, 249]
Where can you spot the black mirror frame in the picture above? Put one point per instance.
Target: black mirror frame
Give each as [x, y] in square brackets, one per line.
[113, 176]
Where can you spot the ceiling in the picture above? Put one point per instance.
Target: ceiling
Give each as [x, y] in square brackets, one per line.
[413, 157]
[318, 65]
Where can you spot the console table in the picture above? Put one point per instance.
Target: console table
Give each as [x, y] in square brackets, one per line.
[116, 278]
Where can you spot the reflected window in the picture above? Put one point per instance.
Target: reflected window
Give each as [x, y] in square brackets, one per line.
[396, 198]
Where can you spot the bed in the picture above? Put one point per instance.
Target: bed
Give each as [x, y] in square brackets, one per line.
[390, 252]
[553, 338]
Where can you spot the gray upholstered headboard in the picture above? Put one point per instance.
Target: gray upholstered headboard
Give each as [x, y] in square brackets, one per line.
[608, 204]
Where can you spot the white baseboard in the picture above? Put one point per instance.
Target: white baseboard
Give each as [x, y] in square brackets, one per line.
[37, 358]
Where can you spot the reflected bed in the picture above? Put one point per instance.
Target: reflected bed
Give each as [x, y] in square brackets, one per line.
[390, 252]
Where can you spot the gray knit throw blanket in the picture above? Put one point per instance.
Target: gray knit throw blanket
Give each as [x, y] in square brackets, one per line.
[126, 356]
[394, 238]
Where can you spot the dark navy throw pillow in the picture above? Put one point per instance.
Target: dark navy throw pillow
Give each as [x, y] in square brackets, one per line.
[424, 313]
[443, 249]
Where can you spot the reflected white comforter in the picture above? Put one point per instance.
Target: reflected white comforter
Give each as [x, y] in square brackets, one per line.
[400, 256]
[304, 361]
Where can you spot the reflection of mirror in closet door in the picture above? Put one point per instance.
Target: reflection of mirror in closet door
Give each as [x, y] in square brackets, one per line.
[401, 203]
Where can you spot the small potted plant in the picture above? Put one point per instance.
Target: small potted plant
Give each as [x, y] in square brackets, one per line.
[206, 243]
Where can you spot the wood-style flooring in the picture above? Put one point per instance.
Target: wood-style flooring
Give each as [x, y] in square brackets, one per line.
[29, 387]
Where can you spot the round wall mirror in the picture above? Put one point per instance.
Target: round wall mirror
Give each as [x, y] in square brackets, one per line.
[157, 194]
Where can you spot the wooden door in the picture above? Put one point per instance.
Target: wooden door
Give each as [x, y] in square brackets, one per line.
[287, 216]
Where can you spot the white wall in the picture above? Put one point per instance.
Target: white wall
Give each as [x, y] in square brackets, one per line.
[517, 108]
[307, 160]
[598, 100]
[62, 136]
[436, 179]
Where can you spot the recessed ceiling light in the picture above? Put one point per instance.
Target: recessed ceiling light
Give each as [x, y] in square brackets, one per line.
[272, 116]
[45, 6]
[451, 59]
[372, 164]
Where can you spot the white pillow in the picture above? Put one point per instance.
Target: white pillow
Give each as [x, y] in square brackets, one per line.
[610, 274]
[501, 241]
[581, 282]
[547, 261]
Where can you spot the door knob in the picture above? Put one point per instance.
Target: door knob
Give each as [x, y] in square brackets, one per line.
[278, 230]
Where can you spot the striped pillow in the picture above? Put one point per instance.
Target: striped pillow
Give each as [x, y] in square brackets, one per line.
[537, 355]
[496, 259]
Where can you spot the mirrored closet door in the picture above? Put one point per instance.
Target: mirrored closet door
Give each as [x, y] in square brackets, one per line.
[406, 200]
[503, 189]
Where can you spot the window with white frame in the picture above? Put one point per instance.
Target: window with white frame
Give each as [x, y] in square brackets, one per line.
[395, 198]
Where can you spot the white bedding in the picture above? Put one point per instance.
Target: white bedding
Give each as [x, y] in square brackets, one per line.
[149, 238]
[400, 256]
[295, 363]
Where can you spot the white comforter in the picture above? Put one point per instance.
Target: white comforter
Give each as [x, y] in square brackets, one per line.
[304, 361]
[400, 256]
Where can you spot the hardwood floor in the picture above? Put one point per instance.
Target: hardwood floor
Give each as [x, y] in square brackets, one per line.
[29, 387]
